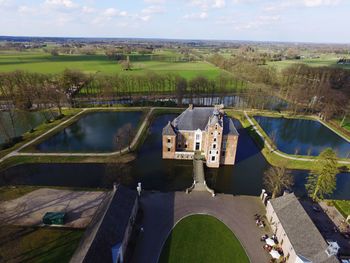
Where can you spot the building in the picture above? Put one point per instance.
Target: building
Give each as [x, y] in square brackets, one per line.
[108, 236]
[205, 130]
[298, 236]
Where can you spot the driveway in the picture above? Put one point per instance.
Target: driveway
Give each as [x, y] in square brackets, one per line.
[29, 209]
[161, 211]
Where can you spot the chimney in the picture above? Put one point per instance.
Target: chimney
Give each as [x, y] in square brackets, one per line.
[190, 106]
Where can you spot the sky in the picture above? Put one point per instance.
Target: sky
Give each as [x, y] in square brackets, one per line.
[259, 20]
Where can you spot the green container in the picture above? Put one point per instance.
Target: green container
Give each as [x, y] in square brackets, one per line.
[54, 218]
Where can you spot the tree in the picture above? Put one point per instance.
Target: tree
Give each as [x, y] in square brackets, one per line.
[277, 179]
[322, 180]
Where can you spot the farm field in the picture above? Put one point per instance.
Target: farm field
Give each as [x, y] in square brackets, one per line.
[45, 63]
[323, 61]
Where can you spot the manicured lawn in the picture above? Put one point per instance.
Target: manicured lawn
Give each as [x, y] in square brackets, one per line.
[30, 244]
[343, 207]
[45, 63]
[202, 238]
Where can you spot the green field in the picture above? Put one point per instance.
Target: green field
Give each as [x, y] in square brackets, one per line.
[45, 63]
[201, 238]
[31, 244]
[323, 61]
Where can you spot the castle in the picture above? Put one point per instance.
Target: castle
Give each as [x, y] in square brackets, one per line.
[206, 130]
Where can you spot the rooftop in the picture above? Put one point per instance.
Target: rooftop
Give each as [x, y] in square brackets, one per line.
[111, 230]
[306, 240]
[193, 118]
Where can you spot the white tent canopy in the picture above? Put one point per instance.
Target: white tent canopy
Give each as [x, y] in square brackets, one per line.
[275, 254]
[270, 241]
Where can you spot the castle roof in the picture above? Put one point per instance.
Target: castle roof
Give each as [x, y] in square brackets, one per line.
[193, 118]
[168, 129]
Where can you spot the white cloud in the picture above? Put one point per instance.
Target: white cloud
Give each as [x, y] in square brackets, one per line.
[154, 1]
[260, 21]
[196, 16]
[68, 4]
[23, 9]
[219, 3]
[315, 3]
[282, 5]
[154, 9]
[88, 10]
[112, 12]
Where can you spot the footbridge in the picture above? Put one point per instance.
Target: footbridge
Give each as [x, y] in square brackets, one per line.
[199, 183]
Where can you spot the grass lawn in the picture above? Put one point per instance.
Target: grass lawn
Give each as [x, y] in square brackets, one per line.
[31, 244]
[343, 207]
[45, 63]
[202, 238]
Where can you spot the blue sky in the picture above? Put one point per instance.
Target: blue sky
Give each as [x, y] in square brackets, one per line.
[266, 20]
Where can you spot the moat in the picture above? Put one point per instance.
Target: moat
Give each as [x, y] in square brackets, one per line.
[244, 178]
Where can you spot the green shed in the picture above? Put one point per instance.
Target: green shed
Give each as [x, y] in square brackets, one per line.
[54, 218]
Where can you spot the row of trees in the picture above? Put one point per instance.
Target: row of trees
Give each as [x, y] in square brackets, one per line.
[321, 181]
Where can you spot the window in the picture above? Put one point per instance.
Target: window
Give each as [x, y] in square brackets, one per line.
[197, 137]
[168, 149]
[186, 145]
[213, 158]
[197, 146]
[217, 152]
[179, 145]
[214, 145]
[214, 139]
[169, 140]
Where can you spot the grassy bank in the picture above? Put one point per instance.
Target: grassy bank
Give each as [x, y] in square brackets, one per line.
[32, 244]
[343, 206]
[202, 238]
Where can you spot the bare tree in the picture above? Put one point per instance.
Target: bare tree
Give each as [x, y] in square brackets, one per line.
[277, 179]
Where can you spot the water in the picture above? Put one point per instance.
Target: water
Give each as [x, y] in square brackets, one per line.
[305, 137]
[95, 132]
[154, 173]
[238, 101]
[24, 122]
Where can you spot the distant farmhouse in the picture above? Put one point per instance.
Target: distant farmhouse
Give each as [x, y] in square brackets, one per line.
[204, 130]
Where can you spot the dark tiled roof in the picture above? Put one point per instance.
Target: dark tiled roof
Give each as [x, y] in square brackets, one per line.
[229, 127]
[306, 240]
[193, 119]
[168, 129]
[112, 230]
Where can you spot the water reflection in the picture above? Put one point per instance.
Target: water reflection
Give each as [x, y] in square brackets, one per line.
[305, 137]
[95, 132]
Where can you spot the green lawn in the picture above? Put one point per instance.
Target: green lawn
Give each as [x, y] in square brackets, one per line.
[31, 244]
[45, 63]
[343, 207]
[202, 238]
